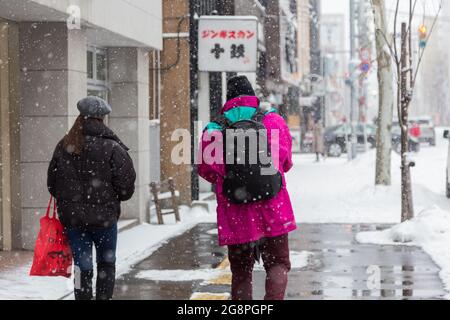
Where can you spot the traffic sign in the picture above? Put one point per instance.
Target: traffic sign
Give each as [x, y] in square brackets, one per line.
[365, 55]
[365, 67]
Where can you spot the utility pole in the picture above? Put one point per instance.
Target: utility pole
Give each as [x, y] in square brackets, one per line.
[366, 47]
[352, 152]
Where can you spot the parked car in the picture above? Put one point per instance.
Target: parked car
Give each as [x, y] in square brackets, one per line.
[447, 181]
[336, 138]
[427, 129]
[414, 143]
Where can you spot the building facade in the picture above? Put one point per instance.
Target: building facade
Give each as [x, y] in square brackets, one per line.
[184, 96]
[202, 97]
[303, 39]
[335, 56]
[52, 55]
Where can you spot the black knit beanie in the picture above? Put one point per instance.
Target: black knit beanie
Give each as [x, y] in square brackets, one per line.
[239, 86]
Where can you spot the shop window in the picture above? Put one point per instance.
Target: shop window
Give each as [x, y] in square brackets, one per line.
[97, 72]
[98, 93]
[90, 65]
[101, 66]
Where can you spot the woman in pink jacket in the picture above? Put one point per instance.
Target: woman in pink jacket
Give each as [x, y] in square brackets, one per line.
[260, 228]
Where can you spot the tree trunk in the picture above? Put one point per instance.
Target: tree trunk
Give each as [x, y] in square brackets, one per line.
[386, 98]
[407, 202]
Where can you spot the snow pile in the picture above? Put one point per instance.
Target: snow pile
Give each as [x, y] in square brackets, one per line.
[134, 245]
[16, 284]
[179, 275]
[430, 230]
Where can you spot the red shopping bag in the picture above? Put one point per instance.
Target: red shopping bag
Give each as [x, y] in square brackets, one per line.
[52, 255]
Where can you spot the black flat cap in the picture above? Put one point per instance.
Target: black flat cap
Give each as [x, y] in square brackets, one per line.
[94, 107]
[239, 86]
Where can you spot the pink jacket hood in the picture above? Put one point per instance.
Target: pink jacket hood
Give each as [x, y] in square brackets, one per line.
[244, 101]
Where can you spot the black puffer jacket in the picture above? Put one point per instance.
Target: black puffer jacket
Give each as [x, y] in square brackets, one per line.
[90, 187]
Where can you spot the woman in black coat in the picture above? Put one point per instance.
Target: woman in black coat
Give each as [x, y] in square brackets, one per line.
[90, 174]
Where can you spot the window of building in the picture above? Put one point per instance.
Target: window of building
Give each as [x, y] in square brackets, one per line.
[97, 72]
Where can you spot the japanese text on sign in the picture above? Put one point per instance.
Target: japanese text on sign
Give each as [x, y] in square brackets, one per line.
[228, 34]
[228, 44]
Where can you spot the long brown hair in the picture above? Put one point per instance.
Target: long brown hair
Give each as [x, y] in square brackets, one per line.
[73, 142]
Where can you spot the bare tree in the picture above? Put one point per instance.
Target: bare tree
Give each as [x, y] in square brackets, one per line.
[386, 97]
[406, 75]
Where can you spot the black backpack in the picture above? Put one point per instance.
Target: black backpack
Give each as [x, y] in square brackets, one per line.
[248, 179]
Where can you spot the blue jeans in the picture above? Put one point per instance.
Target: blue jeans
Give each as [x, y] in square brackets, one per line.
[81, 242]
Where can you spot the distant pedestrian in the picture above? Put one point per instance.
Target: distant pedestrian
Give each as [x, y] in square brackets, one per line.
[89, 175]
[254, 212]
[415, 130]
[319, 140]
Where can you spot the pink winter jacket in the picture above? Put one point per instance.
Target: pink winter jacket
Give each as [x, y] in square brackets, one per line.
[240, 224]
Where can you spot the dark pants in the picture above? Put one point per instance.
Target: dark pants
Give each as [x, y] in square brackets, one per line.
[81, 242]
[275, 255]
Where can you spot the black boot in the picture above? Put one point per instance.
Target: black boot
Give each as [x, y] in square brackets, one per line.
[106, 278]
[83, 285]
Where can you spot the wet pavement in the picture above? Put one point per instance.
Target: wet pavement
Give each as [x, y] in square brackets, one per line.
[337, 268]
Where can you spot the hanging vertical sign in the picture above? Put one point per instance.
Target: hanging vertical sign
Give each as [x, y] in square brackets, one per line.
[228, 44]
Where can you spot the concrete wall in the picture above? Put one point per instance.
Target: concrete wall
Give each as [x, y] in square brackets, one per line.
[10, 217]
[155, 152]
[38, 102]
[53, 78]
[142, 21]
[129, 82]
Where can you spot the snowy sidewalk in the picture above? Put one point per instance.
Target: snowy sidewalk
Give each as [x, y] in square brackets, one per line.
[134, 245]
[327, 263]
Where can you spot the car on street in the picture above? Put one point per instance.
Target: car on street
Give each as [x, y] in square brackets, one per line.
[336, 138]
[427, 129]
[414, 143]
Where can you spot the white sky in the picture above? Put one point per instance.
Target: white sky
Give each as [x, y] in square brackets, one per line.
[343, 7]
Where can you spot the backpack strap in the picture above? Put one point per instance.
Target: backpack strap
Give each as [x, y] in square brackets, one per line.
[259, 115]
[222, 121]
